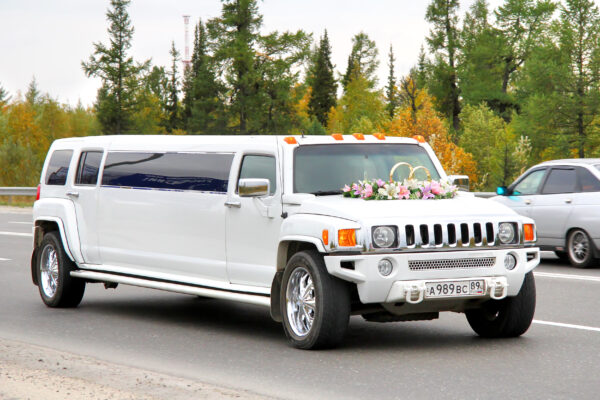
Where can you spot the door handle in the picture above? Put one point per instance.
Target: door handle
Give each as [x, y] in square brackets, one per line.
[233, 204]
[527, 201]
[72, 194]
[568, 201]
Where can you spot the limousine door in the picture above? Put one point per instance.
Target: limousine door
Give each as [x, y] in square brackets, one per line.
[253, 224]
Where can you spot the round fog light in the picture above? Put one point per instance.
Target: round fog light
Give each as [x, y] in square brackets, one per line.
[510, 262]
[385, 267]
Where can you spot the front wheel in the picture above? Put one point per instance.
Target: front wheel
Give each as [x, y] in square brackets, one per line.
[57, 287]
[315, 305]
[509, 317]
[579, 249]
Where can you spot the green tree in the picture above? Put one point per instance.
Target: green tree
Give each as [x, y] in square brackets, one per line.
[172, 106]
[391, 91]
[33, 95]
[4, 97]
[362, 60]
[120, 75]
[322, 81]
[443, 42]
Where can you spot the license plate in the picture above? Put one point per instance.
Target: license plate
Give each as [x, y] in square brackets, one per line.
[455, 288]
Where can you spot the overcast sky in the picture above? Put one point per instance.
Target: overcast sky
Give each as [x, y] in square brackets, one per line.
[48, 39]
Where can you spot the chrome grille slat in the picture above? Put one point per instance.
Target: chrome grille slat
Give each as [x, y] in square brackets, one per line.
[456, 263]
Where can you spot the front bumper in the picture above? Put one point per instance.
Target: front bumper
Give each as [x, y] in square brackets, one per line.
[407, 285]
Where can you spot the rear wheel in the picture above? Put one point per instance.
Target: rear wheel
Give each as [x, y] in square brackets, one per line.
[315, 305]
[57, 287]
[579, 249]
[509, 317]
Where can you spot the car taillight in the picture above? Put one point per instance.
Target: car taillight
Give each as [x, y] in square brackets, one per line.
[37, 195]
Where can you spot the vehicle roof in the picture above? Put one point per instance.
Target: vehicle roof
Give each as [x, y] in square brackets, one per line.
[121, 141]
[573, 161]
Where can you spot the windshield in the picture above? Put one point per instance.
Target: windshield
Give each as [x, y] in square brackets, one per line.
[327, 168]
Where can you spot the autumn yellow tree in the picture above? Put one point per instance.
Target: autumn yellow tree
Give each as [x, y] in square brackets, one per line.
[416, 116]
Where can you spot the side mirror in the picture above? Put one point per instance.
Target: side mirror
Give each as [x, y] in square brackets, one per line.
[501, 191]
[460, 181]
[253, 187]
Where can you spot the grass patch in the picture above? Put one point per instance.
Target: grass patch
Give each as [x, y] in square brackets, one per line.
[17, 201]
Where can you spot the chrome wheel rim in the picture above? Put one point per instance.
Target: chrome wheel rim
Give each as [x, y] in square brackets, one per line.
[49, 270]
[580, 246]
[301, 302]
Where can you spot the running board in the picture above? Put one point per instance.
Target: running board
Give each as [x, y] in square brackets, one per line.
[174, 287]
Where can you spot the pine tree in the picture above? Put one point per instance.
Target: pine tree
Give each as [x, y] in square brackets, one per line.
[391, 90]
[4, 97]
[172, 105]
[322, 81]
[362, 60]
[33, 95]
[120, 75]
[443, 41]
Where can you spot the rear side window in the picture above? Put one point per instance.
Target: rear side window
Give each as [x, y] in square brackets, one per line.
[58, 168]
[587, 181]
[87, 170]
[207, 172]
[560, 181]
[260, 167]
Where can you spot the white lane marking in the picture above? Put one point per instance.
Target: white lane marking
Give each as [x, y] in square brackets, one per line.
[19, 222]
[568, 276]
[4, 259]
[572, 326]
[16, 234]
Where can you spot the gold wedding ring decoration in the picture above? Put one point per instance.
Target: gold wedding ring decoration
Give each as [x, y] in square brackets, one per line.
[412, 170]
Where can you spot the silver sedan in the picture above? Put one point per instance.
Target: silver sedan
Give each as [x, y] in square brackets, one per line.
[563, 197]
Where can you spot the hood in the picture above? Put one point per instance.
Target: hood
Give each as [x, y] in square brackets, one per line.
[460, 207]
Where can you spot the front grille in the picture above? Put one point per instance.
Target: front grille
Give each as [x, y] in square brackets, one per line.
[455, 263]
[444, 235]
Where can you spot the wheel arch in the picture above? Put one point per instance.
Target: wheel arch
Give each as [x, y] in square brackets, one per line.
[288, 246]
[42, 226]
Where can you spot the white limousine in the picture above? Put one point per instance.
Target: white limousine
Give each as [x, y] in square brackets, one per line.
[316, 228]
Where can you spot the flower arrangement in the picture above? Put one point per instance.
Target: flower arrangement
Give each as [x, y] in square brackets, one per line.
[410, 189]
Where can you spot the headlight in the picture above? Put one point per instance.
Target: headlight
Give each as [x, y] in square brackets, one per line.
[506, 232]
[384, 236]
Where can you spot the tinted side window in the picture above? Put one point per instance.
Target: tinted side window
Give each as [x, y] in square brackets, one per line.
[560, 181]
[587, 181]
[530, 184]
[260, 167]
[178, 171]
[87, 170]
[58, 168]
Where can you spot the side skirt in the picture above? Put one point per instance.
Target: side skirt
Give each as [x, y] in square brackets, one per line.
[262, 300]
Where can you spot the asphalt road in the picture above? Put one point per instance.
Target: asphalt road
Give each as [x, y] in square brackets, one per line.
[238, 346]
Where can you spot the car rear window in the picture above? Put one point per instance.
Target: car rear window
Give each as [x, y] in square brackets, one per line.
[587, 181]
[58, 168]
[206, 172]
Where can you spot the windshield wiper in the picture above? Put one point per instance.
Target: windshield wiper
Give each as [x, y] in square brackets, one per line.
[326, 192]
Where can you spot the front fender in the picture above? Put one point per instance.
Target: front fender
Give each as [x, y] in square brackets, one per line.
[61, 212]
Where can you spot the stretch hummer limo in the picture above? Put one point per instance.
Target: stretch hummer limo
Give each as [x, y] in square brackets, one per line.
[316, 228]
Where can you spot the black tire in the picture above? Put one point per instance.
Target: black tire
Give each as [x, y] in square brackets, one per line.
[580, 249]
[509, 317]
[331, 312]
[57, 287]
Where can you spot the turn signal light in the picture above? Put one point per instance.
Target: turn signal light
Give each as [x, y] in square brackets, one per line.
[359, 136]
[325, 237]
[347, 237]
[338, 136]
[290, 140]
[529, 232]
[419, 138]
[379, 136]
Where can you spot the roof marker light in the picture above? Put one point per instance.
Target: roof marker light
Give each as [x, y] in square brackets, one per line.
[290, 140]
[359, 136]
[419, 138]
[379, 136]
[338, 136]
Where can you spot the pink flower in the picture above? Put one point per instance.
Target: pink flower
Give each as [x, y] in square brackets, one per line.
[403, 192]
[380, 183]
[367, 192]
[436, 188]
[426, 190]
[346, 188]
